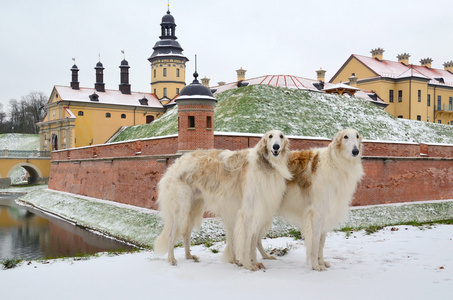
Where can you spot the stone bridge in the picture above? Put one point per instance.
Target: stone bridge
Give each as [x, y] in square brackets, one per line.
[36, 163]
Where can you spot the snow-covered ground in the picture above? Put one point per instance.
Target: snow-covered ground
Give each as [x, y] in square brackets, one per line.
[407, 263]
[397, 262]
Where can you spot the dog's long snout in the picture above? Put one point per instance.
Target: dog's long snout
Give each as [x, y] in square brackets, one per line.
[355, 151]
[276, 147]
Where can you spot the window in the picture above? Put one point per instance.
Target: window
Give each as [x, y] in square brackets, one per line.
[165, 92]
[177, 91]
[400, 117]
[208, 122]
[419, 96]
[439, 102]
[400, 96]
[391, 96]
[450, 103]
[149, 119]
[191, 122]
[177, 72]
[80, 113]
[419, 118]
[154, 73]
[429, 100]
[108, 115]
[123, 116]
[165, 72]
[439, 121]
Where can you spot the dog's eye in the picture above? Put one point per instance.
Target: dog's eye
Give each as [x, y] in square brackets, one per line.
[346, 137]
[281, 136]
[357, 136]
[270, 136]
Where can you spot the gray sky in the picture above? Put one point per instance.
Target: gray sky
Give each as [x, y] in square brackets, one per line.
[265, 37]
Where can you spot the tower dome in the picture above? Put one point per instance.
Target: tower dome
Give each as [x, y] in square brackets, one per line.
[168, 19]
[196, 90]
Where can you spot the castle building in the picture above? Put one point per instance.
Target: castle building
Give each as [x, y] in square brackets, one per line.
[81, 116]
[415, 92]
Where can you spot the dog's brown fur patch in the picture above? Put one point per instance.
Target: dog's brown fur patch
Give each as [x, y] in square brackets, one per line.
[302, 165]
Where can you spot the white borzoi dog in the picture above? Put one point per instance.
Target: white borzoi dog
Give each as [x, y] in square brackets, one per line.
[318, 196]
[242, 187]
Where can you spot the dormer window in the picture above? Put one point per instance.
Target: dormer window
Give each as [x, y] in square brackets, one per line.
[94, 97]
[143, 101]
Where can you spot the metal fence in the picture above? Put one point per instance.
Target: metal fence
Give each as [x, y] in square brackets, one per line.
[24, 153]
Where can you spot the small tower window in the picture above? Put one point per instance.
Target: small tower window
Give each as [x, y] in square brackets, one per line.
[154, 73]
[123, 116]
[108, 115]
[165, 92]
[177, 72]
[165, 72]
[191, 122]
[177, 91]
[80, 113]
[208, 122]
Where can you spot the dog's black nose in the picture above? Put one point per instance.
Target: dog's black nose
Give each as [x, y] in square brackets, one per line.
[276, 147]
[355, 152]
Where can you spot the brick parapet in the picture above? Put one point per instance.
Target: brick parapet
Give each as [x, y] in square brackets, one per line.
[395, 172]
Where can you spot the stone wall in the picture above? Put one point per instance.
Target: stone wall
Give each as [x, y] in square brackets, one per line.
[129, 172]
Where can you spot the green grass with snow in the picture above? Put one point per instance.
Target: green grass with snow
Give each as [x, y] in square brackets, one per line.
[142, 226]
[19, 141]
[259, 108]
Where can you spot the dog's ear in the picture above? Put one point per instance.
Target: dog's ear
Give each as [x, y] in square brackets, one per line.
[338, 139]
[262, 146]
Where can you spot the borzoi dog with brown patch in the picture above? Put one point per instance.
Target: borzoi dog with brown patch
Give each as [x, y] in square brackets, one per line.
[244, 187]
[318, 196]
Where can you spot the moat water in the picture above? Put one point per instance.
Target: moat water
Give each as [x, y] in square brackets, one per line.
[30, 234]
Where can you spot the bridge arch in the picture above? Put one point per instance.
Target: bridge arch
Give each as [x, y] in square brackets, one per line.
[35, 174]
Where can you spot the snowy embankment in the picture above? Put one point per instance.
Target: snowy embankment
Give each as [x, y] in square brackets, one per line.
[141, 226]
[399, 262]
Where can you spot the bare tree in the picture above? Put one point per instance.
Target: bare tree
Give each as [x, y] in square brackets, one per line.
[24, 114]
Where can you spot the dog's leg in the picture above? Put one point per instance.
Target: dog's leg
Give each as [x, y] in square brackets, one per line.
[171, 247]
[253, 257]
[259, 246]
[186, 239]
[316, 240]
[322, 242]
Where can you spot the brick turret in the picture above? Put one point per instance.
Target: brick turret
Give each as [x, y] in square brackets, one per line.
[195, 117]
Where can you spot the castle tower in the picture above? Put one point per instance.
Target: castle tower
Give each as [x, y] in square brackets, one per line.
[168, 64]
[195, 117]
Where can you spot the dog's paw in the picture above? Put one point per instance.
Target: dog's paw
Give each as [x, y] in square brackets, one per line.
[172, 261]
[252, 268]
[194, 257]
[270, 257]
[319, 268]
[260, 266]
[326, 264]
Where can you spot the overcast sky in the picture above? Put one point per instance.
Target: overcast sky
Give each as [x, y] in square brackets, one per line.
[265, 37]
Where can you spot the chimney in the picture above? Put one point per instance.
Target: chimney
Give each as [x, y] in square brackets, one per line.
[220, 83]
[205, 81]
[426, 62]
[448, 66]
[75, 77]
[241, 74]
[377, 53]
[99, 84]
[125, 87]
[403, 58]
[353, 80]
[321, 75]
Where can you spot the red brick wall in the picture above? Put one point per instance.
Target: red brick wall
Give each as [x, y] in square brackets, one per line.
[128, 172]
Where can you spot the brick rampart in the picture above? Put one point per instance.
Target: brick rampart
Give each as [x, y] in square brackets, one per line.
[128, 172]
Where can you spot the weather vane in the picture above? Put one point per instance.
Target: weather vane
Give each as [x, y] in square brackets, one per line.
[124, 55]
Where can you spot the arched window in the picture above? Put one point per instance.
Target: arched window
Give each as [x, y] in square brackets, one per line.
[80, 113]
[123, 116]
[149, 119]
[108, 115]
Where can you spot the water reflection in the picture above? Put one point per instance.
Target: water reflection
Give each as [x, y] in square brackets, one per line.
[30, 234]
